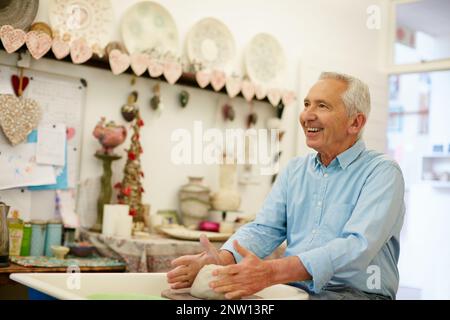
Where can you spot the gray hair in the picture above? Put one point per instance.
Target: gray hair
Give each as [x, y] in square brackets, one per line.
[357, 96]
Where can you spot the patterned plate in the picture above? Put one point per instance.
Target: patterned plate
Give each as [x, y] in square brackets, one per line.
[210, 43]
[265, 60]
[187, 234]
[146, 26]
[91, 20]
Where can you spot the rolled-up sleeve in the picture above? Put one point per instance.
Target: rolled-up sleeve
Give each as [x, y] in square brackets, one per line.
[379, 208]
[268, 231]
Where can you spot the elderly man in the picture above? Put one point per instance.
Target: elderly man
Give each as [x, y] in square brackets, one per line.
[340, 210]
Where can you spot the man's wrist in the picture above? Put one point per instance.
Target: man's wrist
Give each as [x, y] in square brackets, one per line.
[226, 257]
[287, 269]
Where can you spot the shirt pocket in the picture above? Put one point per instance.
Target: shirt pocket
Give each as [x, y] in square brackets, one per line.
[336, 216]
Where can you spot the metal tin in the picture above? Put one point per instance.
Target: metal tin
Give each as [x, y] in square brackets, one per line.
[54, 236]
[38, 233]
[26, 240]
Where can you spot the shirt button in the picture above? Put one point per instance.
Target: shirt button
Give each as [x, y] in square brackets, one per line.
[314, 231]
[319, 203]
[325, 175]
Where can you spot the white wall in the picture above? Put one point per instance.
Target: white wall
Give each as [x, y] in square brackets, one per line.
[316, 35]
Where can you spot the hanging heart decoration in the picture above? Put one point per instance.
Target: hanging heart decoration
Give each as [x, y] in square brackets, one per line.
[233, 86]
[218, 80]
[12, 39]
[155, 68]
[118, 61]
[172, 71]
[288, 97]
[203, 78]
[60, 48]
[18, 117]
[15, 81]
[260, 92]
[139, 62]
[38, 43]
[274, 96]
[80, 51]
[5, 28]
[248, 90]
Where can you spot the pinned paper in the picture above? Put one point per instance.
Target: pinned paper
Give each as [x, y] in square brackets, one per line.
[61, 180]
[51, 145]
[19, 167]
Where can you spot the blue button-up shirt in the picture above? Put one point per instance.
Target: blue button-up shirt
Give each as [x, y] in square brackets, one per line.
[343, 221]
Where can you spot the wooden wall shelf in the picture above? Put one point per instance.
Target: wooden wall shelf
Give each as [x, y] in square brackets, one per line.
[186, 79]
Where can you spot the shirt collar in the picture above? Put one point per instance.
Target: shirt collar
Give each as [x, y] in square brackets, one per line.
[346, 157]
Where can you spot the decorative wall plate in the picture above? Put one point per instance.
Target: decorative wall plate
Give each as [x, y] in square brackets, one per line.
[91, 20]
[146, 26]
[265, 60]
[210, 43]
[187, 234]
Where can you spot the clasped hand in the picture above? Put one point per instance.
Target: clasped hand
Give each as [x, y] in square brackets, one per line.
[245, 278]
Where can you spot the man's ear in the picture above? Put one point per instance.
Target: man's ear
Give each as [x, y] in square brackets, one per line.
[358, 122]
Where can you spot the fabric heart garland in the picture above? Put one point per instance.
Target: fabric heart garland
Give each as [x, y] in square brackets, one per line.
[233, 86]
[139, 63]
[118, 61]
[12, 39]
[172, 71]
[38, 43]
[274, 96]
[218, 80]
[80, 51]
[248, 90]
[60, 48]
[18, 117]
[5, 28]
[155, 68]
[203, 78]
[260, 92]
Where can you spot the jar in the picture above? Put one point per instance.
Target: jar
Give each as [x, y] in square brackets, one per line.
[54, 236]
[26, 240]
[38, 233]
[194, 201]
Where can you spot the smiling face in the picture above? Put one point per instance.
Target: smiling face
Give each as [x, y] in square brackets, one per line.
[325, 121]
